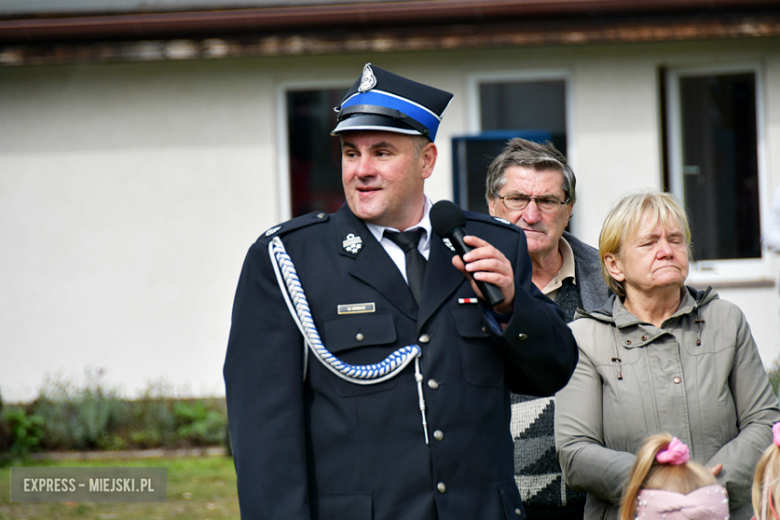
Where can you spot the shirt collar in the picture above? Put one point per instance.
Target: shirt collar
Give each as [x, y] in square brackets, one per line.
[424, 224]
[567, 269]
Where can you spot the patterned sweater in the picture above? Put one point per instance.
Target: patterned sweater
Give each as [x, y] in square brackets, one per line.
[537, 472]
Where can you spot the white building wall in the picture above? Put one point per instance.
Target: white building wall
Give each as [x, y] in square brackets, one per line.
[762, 306]
[129, 193]
[615, 139]
[128, 197]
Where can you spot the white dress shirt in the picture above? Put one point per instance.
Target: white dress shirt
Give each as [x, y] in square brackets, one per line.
[394, 250]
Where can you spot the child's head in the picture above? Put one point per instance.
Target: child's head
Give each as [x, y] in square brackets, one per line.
[766, 482]
[663, 484]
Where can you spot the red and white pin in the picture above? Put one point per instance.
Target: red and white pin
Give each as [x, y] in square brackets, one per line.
[468, 301]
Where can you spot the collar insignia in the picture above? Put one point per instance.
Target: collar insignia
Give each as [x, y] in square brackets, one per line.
[272, 230]
[449, 244]
[368, 81]
[503, 220]
[352, 243]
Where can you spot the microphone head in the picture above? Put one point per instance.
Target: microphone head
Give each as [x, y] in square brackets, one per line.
[445, 217]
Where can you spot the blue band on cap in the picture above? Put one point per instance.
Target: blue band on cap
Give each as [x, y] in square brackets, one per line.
[410, 109]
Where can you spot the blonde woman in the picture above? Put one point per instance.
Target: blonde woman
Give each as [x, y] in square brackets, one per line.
[660, 356]
[665, 484]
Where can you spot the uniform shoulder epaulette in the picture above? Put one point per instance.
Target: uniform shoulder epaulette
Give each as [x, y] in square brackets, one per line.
[481, 217]
[316, 217]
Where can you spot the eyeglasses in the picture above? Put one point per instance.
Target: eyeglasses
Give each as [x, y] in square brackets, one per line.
[518, 201]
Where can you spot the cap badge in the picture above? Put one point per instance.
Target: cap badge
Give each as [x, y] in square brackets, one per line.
[449, 244]
[272, 231]
[352, 243]
[368, 81]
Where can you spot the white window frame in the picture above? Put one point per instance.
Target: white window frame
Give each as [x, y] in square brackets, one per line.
[284, 190]
[474, 114]
[720, 271]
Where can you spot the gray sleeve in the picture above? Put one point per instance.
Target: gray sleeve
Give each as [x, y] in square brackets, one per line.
[757, 411]
[586, 463]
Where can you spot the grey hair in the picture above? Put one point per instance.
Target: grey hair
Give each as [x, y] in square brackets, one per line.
[539, 156]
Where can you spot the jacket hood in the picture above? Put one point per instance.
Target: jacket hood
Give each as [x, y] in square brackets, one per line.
[691, 300]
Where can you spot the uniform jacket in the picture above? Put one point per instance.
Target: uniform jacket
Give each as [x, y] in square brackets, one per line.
[325, 448]
[714, 396]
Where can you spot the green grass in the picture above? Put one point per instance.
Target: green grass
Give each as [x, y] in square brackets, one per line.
[198, 489]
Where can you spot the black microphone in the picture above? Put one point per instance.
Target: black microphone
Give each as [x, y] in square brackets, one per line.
[447, 221]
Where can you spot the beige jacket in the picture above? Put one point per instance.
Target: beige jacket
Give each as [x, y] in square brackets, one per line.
[699, 378]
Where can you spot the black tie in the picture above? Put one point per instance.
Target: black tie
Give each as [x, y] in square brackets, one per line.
[415, 261]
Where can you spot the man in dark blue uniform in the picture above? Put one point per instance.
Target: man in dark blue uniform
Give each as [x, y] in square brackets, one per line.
[319, 435]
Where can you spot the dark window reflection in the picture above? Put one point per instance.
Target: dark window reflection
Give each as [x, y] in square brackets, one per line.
[720, 168]
[315, 156]
[525, 105]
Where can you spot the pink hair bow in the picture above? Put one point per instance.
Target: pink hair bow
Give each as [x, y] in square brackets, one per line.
[776, 434]
[675, 454]
[707, 503]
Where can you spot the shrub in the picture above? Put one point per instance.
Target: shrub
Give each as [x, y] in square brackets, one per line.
[78, 418]
[5, 430]
[92, 416]
[153, 424]
[199, 425]
[26, 431]
[774, 375]
[146, 438]
[6, 438]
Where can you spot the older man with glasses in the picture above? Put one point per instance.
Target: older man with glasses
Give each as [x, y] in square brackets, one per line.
[532, 186]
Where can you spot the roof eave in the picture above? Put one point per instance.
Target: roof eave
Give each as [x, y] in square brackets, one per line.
[145, 26]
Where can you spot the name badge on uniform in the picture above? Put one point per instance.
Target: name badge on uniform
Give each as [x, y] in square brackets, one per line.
[357, 308]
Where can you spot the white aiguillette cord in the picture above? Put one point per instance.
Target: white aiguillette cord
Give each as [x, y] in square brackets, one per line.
[296, 301]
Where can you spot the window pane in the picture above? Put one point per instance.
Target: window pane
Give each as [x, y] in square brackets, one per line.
[315, 156]
[720, 168]
[525, 105]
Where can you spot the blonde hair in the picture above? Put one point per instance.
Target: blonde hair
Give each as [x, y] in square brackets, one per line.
[766, 482]
[647, 473]
[624, 219]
